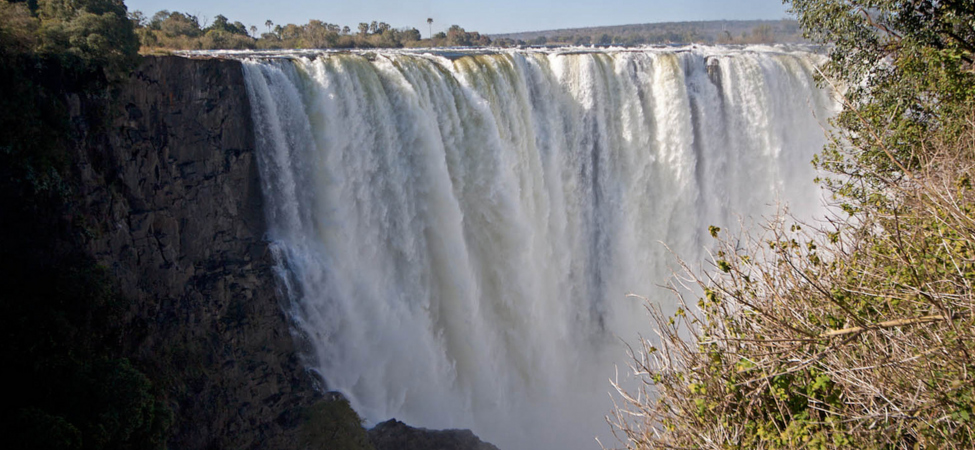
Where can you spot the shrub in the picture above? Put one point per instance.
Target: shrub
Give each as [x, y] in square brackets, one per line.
[859, 333]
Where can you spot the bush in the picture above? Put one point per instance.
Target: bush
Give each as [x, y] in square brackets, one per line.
[858, 334]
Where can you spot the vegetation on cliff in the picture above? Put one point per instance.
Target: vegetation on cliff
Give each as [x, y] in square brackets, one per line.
[858, 332]
[70, 388]
[167, 30]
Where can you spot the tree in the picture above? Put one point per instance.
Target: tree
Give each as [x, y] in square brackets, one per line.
[908, 67]
[410, 35]
[156, 21]
[89, 35]
[290, 31]
[430, 26]
[221, 23]
[268, 24]
[138, 19]
[363, 28]
[178, 24]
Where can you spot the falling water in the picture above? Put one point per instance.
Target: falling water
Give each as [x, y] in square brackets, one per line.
[456, 236]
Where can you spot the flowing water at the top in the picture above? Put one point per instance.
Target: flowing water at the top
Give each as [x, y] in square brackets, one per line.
[457, 236]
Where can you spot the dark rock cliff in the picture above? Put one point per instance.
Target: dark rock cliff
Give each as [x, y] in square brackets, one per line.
[395, 435]
[171, 198]
[174, 188]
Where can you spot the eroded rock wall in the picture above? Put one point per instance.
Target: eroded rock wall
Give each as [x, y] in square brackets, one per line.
[172, 204]
[172, 193]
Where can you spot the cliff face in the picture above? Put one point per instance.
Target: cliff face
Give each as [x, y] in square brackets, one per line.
[395, 435]
[174, 190]
[171, 200]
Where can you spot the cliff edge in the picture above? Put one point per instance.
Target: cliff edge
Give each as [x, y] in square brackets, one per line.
[172, 204]
[174, 188]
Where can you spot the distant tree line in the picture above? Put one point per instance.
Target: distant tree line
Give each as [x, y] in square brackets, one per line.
[167, 30]
[713, 32]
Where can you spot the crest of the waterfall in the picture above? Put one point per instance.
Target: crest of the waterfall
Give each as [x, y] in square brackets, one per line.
[456, 237]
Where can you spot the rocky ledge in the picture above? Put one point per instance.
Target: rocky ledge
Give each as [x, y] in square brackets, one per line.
[396, 435]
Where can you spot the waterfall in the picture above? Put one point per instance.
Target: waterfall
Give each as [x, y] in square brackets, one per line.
[456, 235]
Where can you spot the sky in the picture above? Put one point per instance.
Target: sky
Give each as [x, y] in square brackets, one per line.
[485, 16]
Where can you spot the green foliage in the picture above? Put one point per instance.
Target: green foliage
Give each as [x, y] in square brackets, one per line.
[59, 314]
[221, 23]
[180, 31]
[88, 35]
[48, 49]
[907, 71]
[17, 29]
[458, 37]
[334, 425]
[802, 341]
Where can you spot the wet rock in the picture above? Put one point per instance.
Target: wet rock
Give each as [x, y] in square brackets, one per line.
[396, 435]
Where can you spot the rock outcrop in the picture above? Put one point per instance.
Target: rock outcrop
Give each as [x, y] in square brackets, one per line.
[172, 191]
[396, 435]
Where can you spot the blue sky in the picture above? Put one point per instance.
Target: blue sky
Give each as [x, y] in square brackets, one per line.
[494, 16]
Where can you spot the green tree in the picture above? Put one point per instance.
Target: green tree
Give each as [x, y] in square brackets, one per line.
[221, 23]
[410, 35]
[907, 65]
[458, 37]
[177, 24]
[89, 35]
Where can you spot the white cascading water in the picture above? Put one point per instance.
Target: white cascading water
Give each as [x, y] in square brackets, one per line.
[457, 235]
